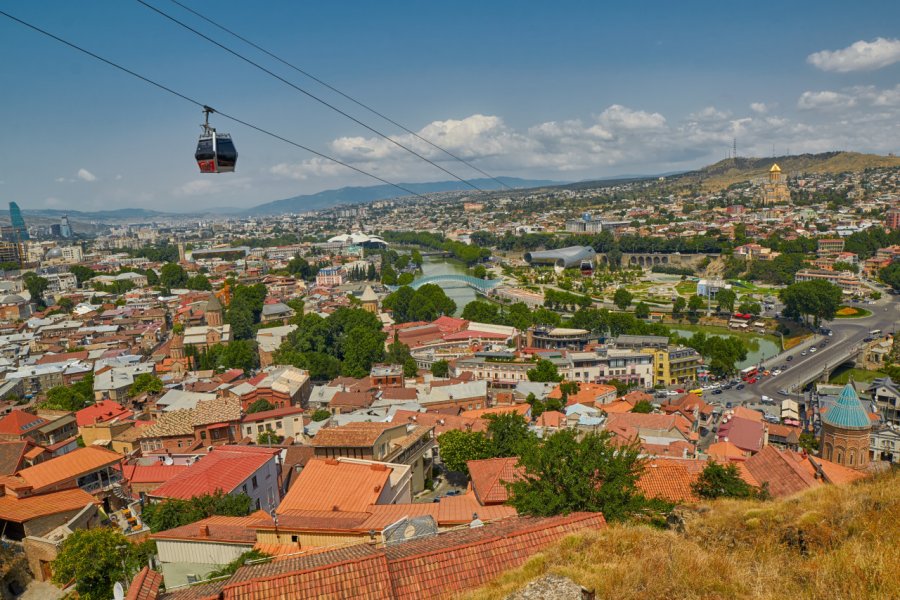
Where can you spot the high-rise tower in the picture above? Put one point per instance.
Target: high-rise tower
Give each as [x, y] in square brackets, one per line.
[65, 230]
[18, 223]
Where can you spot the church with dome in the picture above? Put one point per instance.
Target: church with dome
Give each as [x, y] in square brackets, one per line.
[775, 190]
[846, 431]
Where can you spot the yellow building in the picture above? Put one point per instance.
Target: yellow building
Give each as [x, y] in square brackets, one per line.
[673, 365]
[775, 190]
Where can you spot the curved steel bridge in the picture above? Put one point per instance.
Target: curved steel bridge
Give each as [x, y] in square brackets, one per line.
[479, 285]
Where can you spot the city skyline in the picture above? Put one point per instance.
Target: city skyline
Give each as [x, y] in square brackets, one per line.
[604, 92]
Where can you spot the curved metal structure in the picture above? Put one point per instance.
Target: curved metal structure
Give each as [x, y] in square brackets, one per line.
[561, 258]
[479, 285]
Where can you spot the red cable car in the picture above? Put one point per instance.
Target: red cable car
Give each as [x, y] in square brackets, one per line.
[215, 151]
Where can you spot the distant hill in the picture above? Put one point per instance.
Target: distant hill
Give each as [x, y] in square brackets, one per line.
[100, 215]
[356, 195]
[730, 171]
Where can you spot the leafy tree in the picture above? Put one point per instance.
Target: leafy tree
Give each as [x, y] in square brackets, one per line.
[519, 316]
[457, 447]
[479, 271]
[546, 317]
[73, 397]
[175, 512]
[239, 354]
[152, 277]
[569, 472]
[198, 282]
[440, 368]
[544, 371]
[890, 275]
[410, 368]
[695, 304]
[726, 299]
[622, 298]
[723, 481]
[845, 266]
[424, 304]
[388, 275]
[65, 303]
[261, 405]
[95, 559]
[405, 278]
[298, 266]
[809, 442]
[145, 382]
[232, 567]
[642, 310]
[750, 307]
[416, 258]
[172, 275]
[481, 312]
[36, 286]
[818, 299]
[643, 407]
[509, 434]
[678, 306]
[320, 415]
[367, 349]
[82, 273]
[268, 438]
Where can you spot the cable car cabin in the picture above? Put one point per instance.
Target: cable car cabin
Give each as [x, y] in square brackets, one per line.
[216, 153]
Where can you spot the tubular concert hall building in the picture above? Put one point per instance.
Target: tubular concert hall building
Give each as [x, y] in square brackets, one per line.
[562, 258]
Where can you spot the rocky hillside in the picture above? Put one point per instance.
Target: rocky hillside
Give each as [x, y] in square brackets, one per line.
[831, 542]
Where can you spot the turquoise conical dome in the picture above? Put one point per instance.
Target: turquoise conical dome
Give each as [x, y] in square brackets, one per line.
[847, 412]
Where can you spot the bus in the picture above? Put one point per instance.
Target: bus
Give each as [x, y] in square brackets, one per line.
[749, 373]
[875, 332]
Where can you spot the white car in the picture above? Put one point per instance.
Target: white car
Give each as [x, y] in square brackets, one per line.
[813, 349]
[766, 400]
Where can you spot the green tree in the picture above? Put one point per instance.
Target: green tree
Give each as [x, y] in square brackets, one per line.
[818, 299]
[723, 481]
[410, 368]
[366, 349]
[479, 271]
[642, 406]
[145, 382]
[726, 299]
[261, 405]
[239, 354]
[198, 282]
[268, 438]
[622, 298]
[457, 447]
[440, 368]
[695, 304]
[299, 267]
[95, 559]
[73, 397]
[569, 472]
[750, 307]
[890, 275]
[405, 278]
[82, 273]
[678, 306]
[388, 275]
[641, 310]
[416, 257]
[232, 567]
[65, 303]
[519, 316]
[36, 286]
[168, 514]
[482, 312]
[152, 278]
[509, 434]
[544, 371]
[320, 415]
[172, 275]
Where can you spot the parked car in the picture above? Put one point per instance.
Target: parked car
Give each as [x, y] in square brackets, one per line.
[783, 392]
[803, 353]
[717, 391]
[740, 386]
[789, 358]
[813, 349]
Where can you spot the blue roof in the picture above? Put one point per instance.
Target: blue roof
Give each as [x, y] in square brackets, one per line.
[848, 411]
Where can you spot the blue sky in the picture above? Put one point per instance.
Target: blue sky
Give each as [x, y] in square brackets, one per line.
[562, 90]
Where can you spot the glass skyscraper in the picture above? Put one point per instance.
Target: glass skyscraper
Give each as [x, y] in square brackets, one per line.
[18, 223]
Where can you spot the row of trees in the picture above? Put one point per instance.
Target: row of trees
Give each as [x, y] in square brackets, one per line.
[818, 299]
[467, 253]
[423, 304]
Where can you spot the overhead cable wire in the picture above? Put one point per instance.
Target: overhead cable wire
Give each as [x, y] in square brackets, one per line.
[337, 91]
[306, 92]
[203, 105]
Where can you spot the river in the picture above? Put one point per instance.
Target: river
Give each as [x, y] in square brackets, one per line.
[459, 292]
[758, 348]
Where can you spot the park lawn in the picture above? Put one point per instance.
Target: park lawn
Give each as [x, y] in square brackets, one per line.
[858, 375]
[686, 288]
[713, 329]
[852, 312]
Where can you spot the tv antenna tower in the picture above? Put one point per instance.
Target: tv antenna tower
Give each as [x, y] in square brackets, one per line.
[734, 148]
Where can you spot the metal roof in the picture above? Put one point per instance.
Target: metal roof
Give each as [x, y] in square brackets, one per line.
[848, 411]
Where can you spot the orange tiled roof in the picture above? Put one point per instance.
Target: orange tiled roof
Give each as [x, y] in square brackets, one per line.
[145, 585]
[19, 422]
[668, 481]
[221, 529]
[225, 468]
[352, 435]
[521, 409]
[326, 484]
[21, 510]
[488, 477]
[68, 466]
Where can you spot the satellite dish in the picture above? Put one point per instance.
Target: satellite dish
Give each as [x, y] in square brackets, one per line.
[118, 591]
[169, 461]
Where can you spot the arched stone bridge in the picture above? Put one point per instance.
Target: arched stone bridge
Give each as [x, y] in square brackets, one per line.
[649, 259]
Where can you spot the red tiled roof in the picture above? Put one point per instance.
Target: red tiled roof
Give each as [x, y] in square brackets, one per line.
[11, 455]
[101, 412]
[21, 510]
[784, 472]
[351, 435]
[221, 529]
[152, 473]
[225, 468]
[743, 433]
[19, 422]
[272, 414]
[488, 477]
[145, 585]
[440, 422]
[521, 409]
[434, 567]
[668, 481]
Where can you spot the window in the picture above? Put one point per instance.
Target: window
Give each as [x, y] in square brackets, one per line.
[295, 538]
[254, 482]
[277, 424]
[260, 428]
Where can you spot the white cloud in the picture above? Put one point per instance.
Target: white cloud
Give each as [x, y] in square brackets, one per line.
[314, 167]
[211, 186]
[622, 117]
[85, 175]
[859, 56]
[759, 107]
[710, 113]
[825, 100]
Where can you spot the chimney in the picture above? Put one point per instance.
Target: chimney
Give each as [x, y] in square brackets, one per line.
[204, 531]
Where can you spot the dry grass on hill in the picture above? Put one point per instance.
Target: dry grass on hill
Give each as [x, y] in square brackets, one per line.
[832, 542]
